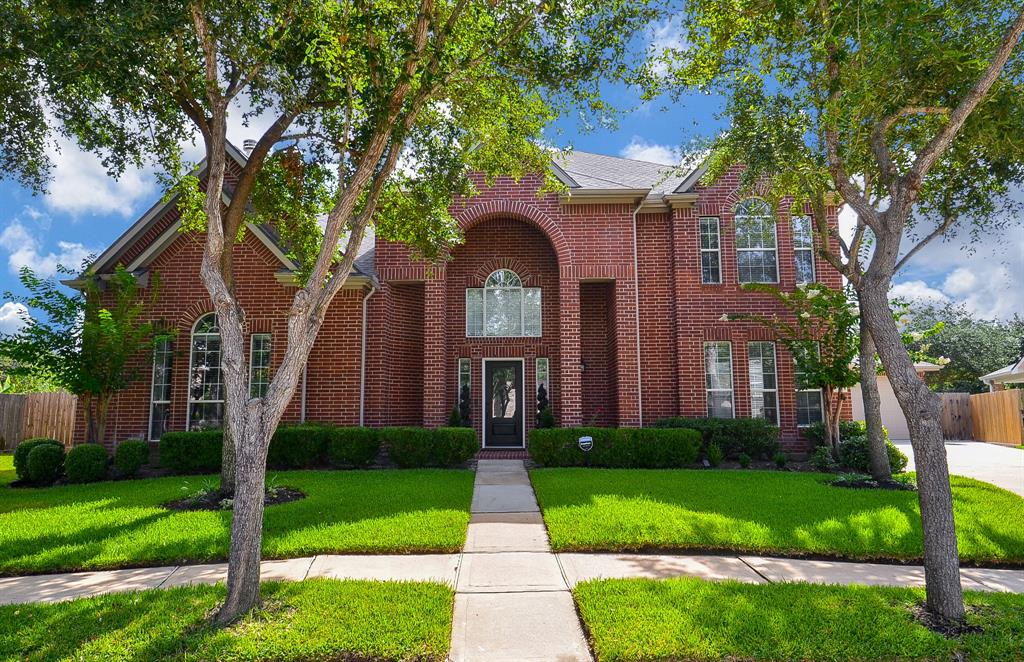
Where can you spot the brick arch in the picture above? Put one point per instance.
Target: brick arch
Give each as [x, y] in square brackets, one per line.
[482, 211]
[492, 265]
[192, 312]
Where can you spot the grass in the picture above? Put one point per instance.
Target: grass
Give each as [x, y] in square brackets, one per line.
[690, 619]
[122, 524]
[7, 475]
[321, 619]
[765, 512]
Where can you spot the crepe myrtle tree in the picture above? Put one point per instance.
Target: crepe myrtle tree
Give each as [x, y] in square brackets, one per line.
[383, 109]
[909, 111]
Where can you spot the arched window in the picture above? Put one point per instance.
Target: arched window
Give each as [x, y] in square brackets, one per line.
[503, 308]
[756, 259]
[205, 383]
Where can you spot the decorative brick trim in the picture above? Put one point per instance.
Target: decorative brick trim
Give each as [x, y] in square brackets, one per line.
[482, 211]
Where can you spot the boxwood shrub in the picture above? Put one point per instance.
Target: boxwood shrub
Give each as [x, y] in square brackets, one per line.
[86, 463]
[755, 437]
[22, 451]
[352, 447]
[44, 463]
[197, 451]
[454, 446]
[853, 446]
[615, 447]
[298, 446]
[423, 447]
[130, 455]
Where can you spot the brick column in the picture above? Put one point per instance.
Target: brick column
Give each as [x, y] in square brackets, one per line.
[570, 407]
[435, 355]
[628, 396]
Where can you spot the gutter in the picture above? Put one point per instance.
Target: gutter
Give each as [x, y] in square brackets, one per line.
[636, 295]
[362, 359]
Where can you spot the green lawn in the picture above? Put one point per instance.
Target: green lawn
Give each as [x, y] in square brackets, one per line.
[317, 619]
[690, 619]
[7, 474]
[118, 524]
[764, 511]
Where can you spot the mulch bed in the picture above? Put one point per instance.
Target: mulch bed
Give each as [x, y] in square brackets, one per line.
[872, 484]
[216, 500]
[944, 626]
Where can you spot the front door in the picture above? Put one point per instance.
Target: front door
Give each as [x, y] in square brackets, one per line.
[503, 416]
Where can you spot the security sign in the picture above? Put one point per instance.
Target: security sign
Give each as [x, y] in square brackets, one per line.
[586, 443]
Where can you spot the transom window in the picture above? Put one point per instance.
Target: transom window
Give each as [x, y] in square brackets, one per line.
[803, 249]
[503, 308]
[205, 382]
[756, 259]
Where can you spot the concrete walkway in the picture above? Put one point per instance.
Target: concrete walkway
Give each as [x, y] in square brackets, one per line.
[512, 601]
[1002, 466]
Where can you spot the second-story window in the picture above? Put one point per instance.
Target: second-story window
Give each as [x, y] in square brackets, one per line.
[803, 249]
[756, 257]
[710, 251]
[503, 308]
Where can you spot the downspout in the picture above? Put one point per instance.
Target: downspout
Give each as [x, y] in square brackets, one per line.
[362, 360]
[636, 295]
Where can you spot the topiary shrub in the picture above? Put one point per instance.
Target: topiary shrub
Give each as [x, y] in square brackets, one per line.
[755, 437]
[130, 455]
[409, 446]
[454, 446]
[44, 463]
[198, 451]
[455, 418]
[615, 447]
[298, 446]
[22, 451]
[352, 447]
[86, 464]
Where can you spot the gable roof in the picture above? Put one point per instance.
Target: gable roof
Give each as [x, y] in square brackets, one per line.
[593, 174]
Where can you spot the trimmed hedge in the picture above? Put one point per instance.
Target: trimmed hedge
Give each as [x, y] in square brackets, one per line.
[22, 451]
[297, 446]
[755, 437]
[198, 451]
[422, 447]
[853, 446]
[44, 463]
[86, 464]
[352, 447]
[642, 448]
[130, 455]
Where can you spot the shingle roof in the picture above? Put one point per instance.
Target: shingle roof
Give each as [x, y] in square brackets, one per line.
[598, 171]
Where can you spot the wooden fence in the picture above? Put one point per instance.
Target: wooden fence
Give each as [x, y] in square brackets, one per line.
[998, 416]
[956, 416]
[23, 416]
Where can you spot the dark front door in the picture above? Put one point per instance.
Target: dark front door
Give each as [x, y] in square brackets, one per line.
[504, 400]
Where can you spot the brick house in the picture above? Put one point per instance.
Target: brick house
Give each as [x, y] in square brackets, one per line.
[609, 295]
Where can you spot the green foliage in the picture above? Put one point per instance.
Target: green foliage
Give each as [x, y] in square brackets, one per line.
[43, 464]
[455, 445]
[86, 463]
[455, 418]
[853, 446]
[744, 460]
[130, 455]
[424, 447]
[197, 451]
[821, 459]
[780, 460]
[352, 447]
[714, 454]
[22, 451]
[545, 418]
[615, 447]
[756, 437]
[297, 446]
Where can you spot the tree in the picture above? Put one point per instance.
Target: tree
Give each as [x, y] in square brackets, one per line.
[77, 343]
[447, 87]
[908, 111]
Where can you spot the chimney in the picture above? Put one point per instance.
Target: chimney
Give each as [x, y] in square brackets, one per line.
[248, 145]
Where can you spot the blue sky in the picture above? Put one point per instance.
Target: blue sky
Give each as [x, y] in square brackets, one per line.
[84, 210]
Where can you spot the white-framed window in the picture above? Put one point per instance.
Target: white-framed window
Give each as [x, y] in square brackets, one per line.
[259, 364]
[718, 375]
[503, 308]
[764, 387]
[809, 402]
[710, 250]
[205, 383]
[803, 249]
[160, 394]
[756, 246]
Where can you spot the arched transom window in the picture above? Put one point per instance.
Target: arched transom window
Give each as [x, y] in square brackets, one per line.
[756, 259]
[205, 383]
[503, 308]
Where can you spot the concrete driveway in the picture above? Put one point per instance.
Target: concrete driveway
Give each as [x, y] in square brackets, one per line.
[999, 465]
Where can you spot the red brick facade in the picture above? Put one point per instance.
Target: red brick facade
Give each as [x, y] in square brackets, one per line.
[580, 254]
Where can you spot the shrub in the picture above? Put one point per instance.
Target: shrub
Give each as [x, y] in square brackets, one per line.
[622, 447]
[130, 455]
[408, 446]
[545, 418]
[86, 464]
[297, 446]
[854, 454]
[352, 447]
[454, 446]
[22, 451]
[455, 418]
[754, 436]
[44, 463]
[198, 451]
[714, 454]
[822, 460]
[816, 431]
[744, 460]
[780, 460]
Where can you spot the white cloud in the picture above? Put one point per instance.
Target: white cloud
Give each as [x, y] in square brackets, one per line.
[665, 38]
[12, 317]
[641, 150]
[917, 290]
[26, 251]
[81, 184]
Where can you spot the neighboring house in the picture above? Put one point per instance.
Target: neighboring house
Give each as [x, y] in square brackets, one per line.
[609, 294]
[892, 414]
[1008, 375]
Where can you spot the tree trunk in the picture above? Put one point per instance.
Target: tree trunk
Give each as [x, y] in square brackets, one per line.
[831, 437]
[879, 457]
[227, 459]
[922, 409]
